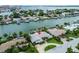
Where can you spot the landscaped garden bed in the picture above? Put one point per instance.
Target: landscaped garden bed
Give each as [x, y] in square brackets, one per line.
[49, 47]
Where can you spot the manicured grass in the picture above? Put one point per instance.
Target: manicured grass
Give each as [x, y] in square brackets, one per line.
[49, 47]
[52, 40]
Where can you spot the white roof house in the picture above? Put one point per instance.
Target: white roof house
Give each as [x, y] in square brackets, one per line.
[43, 34]
[56, 32]
[37, 37]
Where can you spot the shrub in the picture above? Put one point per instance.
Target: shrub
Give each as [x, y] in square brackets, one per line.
[49, 47]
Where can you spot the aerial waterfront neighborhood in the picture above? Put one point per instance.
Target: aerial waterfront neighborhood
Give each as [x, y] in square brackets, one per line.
[30, 29]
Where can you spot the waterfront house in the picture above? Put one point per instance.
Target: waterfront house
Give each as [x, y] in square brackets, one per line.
[56, 32]
[7, 20]
[66, 14]
[18, 20]
[76, 13]
[29, 18]
[38, 37]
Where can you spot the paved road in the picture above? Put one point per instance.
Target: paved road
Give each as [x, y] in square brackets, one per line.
[63, 48]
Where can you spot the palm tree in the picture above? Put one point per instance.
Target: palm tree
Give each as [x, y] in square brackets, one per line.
[9, 38]
[58, 11]
[14, 35]
[66, 10]
[30, 12]
[77, 46]
[41, 13]
[27, 37]
[11, 17]
[5, 17]
[45, 38]
[57, 26]
[1, 17]
[66, 23]
[21, 33]
[61, 27]
[5, 35]
[15, 15]
[69, 50]
[0, 38]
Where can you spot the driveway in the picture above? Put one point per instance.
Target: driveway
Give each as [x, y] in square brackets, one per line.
[41, 47]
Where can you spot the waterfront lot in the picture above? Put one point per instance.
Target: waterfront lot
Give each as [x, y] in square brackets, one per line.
[56, 32]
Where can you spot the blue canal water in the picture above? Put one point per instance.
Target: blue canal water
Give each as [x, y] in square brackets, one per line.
[27, 27]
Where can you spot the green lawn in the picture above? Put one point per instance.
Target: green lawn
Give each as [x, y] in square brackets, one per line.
[49, 47]
[52, 40]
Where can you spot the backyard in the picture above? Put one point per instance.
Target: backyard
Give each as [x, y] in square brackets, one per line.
[55, 40]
